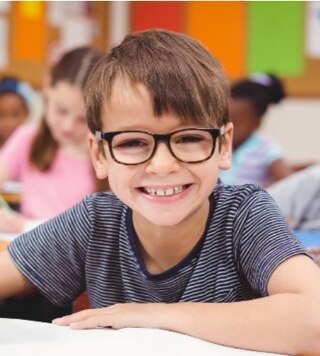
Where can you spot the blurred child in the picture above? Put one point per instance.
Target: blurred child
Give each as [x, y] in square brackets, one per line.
[171, 247]
[256, 159]
[15, 101]
[298, 197]
[49, 157]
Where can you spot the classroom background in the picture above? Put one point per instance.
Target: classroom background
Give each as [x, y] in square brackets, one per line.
[247, 37]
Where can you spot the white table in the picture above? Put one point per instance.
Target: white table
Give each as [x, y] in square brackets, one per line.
[29, 338]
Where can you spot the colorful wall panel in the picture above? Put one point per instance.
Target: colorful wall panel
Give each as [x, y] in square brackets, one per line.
[246, 37]
[275, 37]
[29, 31]
[220, 26]
[157, 14]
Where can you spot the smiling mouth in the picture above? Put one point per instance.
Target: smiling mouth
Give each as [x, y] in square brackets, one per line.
[160, 192]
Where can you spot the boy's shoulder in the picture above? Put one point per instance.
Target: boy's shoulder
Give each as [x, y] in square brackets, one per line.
[244, 205]
[104, 199]
[104, 204]
[241, 190]
[239, 195]
[100, 210]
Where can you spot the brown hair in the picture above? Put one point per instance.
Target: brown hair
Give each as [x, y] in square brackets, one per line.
[74, 67]
[180, 74]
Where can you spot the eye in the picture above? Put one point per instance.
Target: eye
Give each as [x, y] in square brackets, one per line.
[132, 143]
[192, 138]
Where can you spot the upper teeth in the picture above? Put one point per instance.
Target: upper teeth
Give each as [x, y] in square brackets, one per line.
[164, 192]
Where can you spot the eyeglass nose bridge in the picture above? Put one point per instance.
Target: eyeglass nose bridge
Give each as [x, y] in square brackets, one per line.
[162, 138]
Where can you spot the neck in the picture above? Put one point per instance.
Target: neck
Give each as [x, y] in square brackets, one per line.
[162, 247]
[75, 150]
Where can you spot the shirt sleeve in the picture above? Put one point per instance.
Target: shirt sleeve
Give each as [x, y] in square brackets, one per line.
[273, 152]
[263, 240]
[15, 152]
[52, 256]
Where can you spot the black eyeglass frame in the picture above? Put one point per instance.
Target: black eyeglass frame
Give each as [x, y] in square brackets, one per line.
[108, 137]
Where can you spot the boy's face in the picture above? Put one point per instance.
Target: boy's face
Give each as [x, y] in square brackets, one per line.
[162, 191]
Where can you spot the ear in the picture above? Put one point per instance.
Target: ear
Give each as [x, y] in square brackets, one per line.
[98, 159]
[225, 153]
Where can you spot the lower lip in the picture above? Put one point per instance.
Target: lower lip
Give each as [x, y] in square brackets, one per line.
[167, 199]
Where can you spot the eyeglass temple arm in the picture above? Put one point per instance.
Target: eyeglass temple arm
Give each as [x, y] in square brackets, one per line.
[99, 135]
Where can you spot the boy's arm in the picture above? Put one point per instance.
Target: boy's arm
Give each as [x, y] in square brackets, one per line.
[287, 321]
[12, 281]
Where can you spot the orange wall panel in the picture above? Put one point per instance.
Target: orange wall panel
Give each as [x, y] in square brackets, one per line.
[220, 26]
[29, 30]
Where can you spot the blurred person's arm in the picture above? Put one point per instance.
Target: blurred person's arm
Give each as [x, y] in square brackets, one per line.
[278, 170]
[298, 197]
[4, 174]
[10, 221]
[13, 157]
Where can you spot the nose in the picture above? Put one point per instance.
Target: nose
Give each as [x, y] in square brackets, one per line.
[162, 162]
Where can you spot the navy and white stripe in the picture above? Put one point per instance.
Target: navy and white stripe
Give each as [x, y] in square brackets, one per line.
[93, 246]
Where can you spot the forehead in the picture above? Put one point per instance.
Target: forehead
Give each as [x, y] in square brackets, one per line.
[124, 93]
[66, 93]
[127, 100]
[129, 106]
[132, 104]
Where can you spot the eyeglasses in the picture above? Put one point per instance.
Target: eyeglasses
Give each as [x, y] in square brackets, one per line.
[192, 145]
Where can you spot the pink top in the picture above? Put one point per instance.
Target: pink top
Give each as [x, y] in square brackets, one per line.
[46, 194]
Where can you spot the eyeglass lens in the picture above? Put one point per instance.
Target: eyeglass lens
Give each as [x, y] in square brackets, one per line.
[186, 145]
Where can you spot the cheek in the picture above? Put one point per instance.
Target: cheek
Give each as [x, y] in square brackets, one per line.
[81, 131]
[54, 117]
[51, 118]
[207, 175]
[118, 177]
[121, 179]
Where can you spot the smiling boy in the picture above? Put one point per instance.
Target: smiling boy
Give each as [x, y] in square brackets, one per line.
[171, 247]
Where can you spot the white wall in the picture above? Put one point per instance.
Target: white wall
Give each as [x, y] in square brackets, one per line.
[295, 124]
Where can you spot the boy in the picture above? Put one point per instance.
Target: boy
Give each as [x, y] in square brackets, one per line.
[170, 247]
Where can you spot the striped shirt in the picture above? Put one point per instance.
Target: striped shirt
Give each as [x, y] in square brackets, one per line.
[93, 246]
